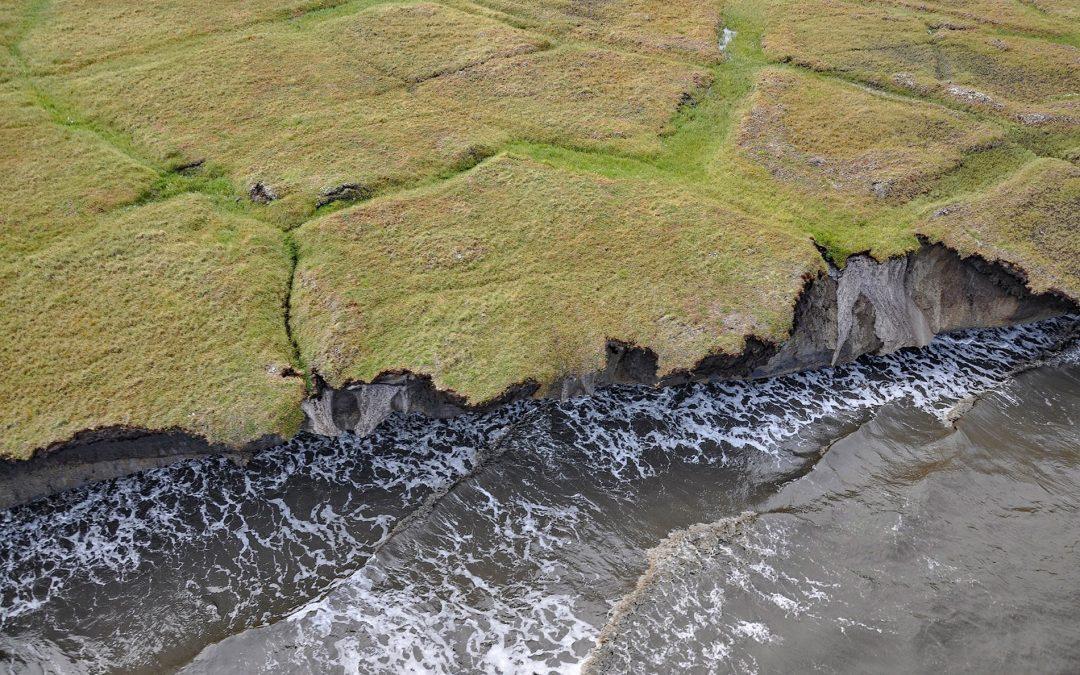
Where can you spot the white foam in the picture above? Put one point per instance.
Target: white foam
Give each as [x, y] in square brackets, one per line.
[432, 612]
[435, 613]
[208, 520]
[754, 630]
[113, 532]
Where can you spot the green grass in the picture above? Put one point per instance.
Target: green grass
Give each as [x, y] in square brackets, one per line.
[165, 316]
[536, 178]
[520, 271]
[702, 153]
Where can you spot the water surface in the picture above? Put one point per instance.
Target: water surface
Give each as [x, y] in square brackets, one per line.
[909, 547]
[513, 540]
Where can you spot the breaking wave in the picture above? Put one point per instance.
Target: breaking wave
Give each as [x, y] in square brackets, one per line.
[300, 559]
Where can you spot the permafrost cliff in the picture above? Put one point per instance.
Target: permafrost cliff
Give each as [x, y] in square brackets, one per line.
[869, 307]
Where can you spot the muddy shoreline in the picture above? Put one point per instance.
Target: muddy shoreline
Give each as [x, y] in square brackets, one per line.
[440, 539]
[869, 307]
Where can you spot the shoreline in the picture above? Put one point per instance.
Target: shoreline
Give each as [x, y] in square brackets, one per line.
[869, 307]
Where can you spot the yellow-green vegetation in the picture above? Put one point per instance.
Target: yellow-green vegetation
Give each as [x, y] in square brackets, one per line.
[520, 271]
[159, 317]
[1046, 17]
[8, 67]
[386, 95]
[1031, 219]
[1035, 81]
[57, 177]
[206, 203]
[73, 32]
[881, 146]
[685, 28]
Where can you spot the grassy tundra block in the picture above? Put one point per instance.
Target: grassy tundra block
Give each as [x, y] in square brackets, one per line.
[518, 270]
[1033, 81]
[67, 33]
[158, 317]
[57, 177]
[679, 28]
[388, 95]
[1054, 18]
[1031, 219]
[882, 146]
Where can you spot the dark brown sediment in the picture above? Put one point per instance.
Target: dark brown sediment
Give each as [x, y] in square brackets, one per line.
[869, 307]
[108, 453]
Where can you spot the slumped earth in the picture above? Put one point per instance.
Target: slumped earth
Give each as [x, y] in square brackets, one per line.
[206, 207]
[212, 210]
[696, 528]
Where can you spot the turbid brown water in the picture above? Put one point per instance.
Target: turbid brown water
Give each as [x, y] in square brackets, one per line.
[513, 541]
[910, 547]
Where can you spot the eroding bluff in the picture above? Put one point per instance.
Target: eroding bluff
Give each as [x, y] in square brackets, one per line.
[869, 307]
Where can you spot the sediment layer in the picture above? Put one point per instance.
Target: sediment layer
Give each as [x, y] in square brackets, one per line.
[104, 454]
[869, 307]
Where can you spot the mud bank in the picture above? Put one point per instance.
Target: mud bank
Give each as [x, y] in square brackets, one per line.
[869, 307]
[104, 454]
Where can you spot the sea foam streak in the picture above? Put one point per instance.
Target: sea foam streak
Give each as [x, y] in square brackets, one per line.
[910, 546]
[517, 567]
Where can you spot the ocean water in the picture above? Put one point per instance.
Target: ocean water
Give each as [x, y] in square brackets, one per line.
[910, 547]
[847, 519]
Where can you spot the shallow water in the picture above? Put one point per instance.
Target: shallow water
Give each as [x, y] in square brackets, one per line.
[909, 547]
[503, 542]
